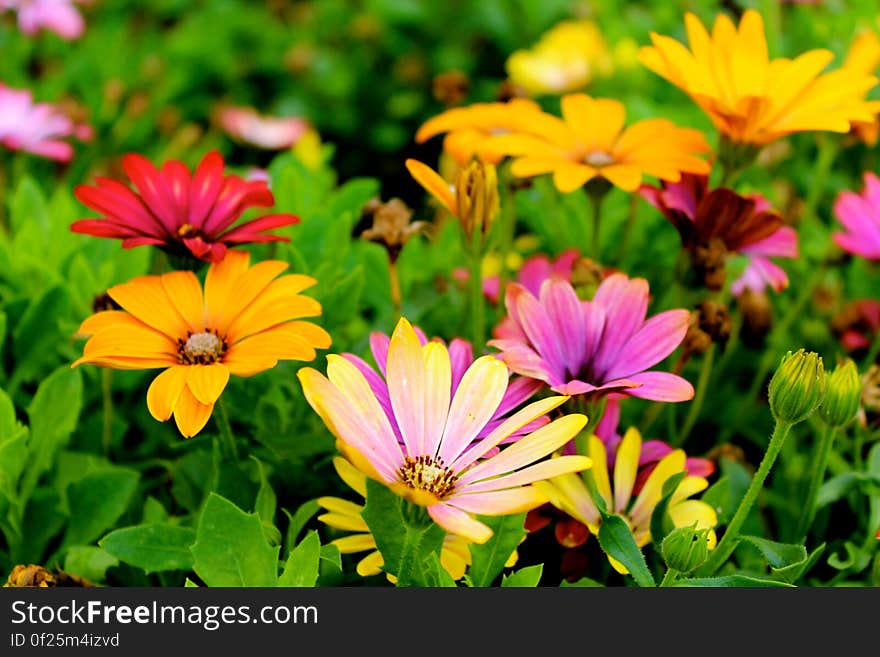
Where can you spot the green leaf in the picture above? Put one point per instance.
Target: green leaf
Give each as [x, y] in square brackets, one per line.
[152, 547]
[837, 487]
[96, 502]
[404, 541]
[35, 340]
[488, 559]
[302, 565]
[583, 582]
[189, 584]
[297, 521]
[265, 505]
[846, 562]
[727, 581]
[617, 541]
[330, 566]
[89, 562]
[661, 524]
[524, 577]
[13, 448]
[154, 512]
[435, 574]
[787, 561]
[230, 547]
[725, 494]
[53, 414]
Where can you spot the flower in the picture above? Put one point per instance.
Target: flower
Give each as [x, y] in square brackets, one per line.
[590, 141]
[246, 125]
[37, 128]
[593, 347]
[534, 271]
[461, 357]
[58, 16]
[571, 494]
[716, 224]
[468, 127]
[185, 214]
[750, 98]
[245, 322]
[863, 57]
[436, 466]
[843, 394]
[860, 216]
[564, 59]
[797, 387]
[342, 514]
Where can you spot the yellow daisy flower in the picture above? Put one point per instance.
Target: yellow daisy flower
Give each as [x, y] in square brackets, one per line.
[455, 555]
[751, 98]
[243, 323]
[864, 57]
[590, 141]
[570, 493]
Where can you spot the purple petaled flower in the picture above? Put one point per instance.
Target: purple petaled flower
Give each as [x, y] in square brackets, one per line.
[860, 216]
[461, 356]
[58, 16]
[37, 128]
[714, 224]
[593, 347]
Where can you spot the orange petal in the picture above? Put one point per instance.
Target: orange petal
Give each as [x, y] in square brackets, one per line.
[433, 183]
[105, 319]
[206, 382]
[145, 298]
[247, 287]
[185, 292]
[165, 390]
[218, 284]
[190, 414]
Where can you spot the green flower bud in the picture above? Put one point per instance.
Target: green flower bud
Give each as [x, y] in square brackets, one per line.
[685, 548]
[797, 387]
[843, 391]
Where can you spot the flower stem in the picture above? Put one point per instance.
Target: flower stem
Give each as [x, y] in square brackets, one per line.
[477, 302]
[669, 578]
[873, 350]
[225, 436]
[107, 393]
[728, 542]
[394, 280]
[595, 244]
[625, 238]
[820, 461]
[507, 229]
[699, 396]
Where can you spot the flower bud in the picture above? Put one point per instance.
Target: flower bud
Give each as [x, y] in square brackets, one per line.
[476, 195]
[843, 391]
[685, 548]
[797, 387]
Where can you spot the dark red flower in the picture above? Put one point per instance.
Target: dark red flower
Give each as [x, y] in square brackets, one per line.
[184, 214]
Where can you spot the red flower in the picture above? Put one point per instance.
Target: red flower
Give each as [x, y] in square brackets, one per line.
[184, 214]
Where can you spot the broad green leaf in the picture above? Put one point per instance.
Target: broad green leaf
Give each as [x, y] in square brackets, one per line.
[746, 581]
[404, 542]
[230, 547]
[874, 497]
[837, 487]
[96, 502]
[89, 562]
[189, 584]
[787, 561]
[330, 566]
[524, 577]
[13, 448]
[154, 512]
[302, 565]
[265, 505]
[488, 559]
[40, 523]
[352, 196]
[436, 575]
[617, 541]
[661, 523]
[36, 340]
[849, 560]
[583, 582]
[152, 547]
[297, 521]
[725, 494]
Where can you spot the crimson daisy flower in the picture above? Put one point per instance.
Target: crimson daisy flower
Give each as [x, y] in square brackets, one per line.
[185, 214]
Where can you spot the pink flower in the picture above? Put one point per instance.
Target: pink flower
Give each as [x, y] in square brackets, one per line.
[58, 16]
[593, 347]
[185, 214]
[533, 272]
[860, 216]
[714, 224]
[245, 124]
[37, 128]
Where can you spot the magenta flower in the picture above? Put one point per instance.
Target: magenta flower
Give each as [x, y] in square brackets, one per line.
[533, 272]
[860, 216]
[37, 128]
[246, 125]
[461, 357]
[58, 16]
[184, 214]
[716, 224]
[593, 347]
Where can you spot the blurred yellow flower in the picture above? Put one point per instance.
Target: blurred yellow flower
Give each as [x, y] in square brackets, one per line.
[750, 98]
[565, 59]
[864, 57]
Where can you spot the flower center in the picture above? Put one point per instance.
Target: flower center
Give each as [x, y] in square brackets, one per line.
[200, 348]
[598, 158]
[186, 231]
[429, 474]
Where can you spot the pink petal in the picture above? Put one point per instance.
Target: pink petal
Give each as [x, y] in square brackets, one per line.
[658, 337]
[661, 386]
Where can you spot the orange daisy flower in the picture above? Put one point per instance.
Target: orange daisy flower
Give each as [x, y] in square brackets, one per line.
[751, 98]
[590, 141]
[244, 322]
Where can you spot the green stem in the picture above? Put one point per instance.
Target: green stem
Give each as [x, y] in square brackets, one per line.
[874, 349]
[507, 228]
[728, 542]
[594, 410]
[394, 282]
[225, 436]
[107, 392]
[595, 246]
[477, 302]
[625, 238]
[669, 578]
[820, 462]
[699, 397]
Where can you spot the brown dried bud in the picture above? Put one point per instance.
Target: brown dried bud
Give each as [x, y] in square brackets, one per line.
[709, 261]
[757, 316]
[451, 87]
[714, 319]
[391, 225]
[509, 90]
[33, 576]
[104, 302]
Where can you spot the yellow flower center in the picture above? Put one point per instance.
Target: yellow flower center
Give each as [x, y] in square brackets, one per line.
[598, 159]
[187, 230]
[200, 348]
[429, 474]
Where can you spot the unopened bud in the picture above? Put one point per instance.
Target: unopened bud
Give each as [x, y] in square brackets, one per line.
[685, 548]
[797, 387]
[476, 195]
[843, 391]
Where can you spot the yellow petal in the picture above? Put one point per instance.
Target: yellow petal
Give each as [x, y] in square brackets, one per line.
[206, 382]
[190, 414]
[433, 183]
[185, 293]
[145, 298]
[164, 391]
[626, 466]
